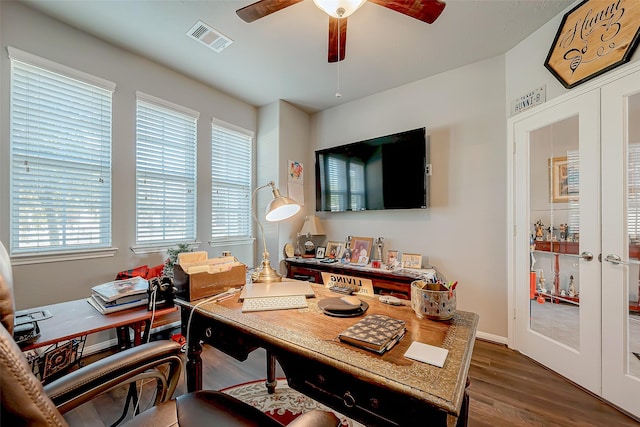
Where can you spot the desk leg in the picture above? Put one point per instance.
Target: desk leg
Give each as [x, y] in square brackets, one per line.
[194, 366]
[124, 340]
[140, 339]
[271, 373]
[463, 420]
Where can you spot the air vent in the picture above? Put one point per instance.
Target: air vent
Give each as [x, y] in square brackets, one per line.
[209, 37]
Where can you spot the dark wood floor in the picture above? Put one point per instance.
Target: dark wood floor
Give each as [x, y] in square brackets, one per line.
[507, 390]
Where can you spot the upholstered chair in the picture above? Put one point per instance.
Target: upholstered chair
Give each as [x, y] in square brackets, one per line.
[26, 402]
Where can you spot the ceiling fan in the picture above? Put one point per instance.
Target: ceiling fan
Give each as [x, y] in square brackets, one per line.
[338, 11]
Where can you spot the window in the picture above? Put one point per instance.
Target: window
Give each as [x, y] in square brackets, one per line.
[60, 158]
[231, 178]
[165, 172]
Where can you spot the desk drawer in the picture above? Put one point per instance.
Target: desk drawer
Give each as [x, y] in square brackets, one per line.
[371, 404]
[302, 273]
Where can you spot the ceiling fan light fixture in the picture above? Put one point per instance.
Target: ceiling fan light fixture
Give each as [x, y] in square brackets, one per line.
[339, 8]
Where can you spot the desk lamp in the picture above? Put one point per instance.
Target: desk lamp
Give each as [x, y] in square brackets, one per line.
[278, 209]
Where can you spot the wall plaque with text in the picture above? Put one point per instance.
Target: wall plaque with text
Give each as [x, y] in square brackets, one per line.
[594, 37]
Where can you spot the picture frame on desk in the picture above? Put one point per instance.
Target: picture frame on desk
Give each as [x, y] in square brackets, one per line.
[334, 250]
[361, 248]
[320, 252]
[346, 256]
[392, 257]
[411, 260]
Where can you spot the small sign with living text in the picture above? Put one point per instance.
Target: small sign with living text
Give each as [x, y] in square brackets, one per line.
[357, 285]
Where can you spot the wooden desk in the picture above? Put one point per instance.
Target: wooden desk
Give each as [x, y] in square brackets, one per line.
[64, 333]
[73, 319]
[377, 390]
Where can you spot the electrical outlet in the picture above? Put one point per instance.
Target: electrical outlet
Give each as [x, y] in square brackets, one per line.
[428, 170]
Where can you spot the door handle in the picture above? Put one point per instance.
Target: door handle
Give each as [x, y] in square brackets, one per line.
[615, 259]
[587, 256]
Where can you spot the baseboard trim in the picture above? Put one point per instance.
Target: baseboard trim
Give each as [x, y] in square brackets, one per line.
[491, 337]
[105, 345]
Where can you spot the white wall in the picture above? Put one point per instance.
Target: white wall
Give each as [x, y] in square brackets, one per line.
[283, 136]
[25, 29]
[462, 233]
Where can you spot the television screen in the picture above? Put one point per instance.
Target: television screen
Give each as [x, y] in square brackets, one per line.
[388, 172]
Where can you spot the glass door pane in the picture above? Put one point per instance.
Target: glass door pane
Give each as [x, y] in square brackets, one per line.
[633, 232]
[555, 232]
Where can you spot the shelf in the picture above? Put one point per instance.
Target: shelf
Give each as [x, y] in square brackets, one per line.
[573, 248]
[557, 247]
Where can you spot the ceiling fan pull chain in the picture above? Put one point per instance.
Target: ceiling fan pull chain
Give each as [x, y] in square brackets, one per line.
[338, 94]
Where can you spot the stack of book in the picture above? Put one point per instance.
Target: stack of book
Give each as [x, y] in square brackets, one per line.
[376, 332]
[119, 295]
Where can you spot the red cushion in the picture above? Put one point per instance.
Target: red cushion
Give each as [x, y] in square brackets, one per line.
[141, 271]
[155, 271]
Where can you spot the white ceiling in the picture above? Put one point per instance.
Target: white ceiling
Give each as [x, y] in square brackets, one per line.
[284, 55]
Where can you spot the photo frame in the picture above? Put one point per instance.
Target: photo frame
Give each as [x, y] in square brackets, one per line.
[334, 250]
[411, 260]
[561, 190]
[360, 249]
[346, 256]
[320, 252]
[392, 257]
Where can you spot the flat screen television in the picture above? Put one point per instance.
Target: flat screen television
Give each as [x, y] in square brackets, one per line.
[388, 172]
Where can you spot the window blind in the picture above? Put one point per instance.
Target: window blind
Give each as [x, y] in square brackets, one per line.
[573, 181]
[165, 172]
[633, 192]
[356, 184]
[346, 183]
[60, 158]
[231, 178]
[336, 174]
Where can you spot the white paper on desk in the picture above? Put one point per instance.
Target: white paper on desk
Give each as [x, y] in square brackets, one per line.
[427, 353]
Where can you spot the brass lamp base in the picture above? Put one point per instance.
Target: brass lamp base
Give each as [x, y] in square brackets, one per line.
[267, 274]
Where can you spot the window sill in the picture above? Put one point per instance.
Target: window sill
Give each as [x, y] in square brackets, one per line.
[44, 257]
[231, 242]
[159, 248]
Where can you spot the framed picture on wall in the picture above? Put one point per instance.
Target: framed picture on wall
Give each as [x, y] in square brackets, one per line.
[564, 181]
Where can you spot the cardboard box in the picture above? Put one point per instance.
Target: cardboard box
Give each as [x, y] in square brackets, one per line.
[203, 278]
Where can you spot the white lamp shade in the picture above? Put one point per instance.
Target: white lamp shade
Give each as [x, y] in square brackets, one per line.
[283, 210]
[311, 226]
[332, 7]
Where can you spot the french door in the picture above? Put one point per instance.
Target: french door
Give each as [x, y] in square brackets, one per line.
[557, 238]
[575, 254]
[621, 242]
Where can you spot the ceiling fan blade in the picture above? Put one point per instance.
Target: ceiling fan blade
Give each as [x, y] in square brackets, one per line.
[337, 26]
[262, 8]
[424, 10]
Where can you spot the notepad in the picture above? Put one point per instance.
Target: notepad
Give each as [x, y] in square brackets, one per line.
[427, 353]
